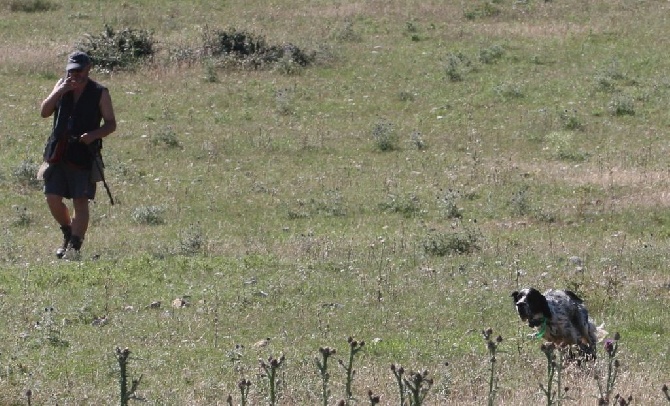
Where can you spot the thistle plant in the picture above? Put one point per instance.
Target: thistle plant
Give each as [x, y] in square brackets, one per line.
[270, 368]
[554, 373]
[244, 386]
[322, 365]
[374, 399]
[354, 348]
[398, 372]
[417, 385]
[613, 364]
[122, 357]
[492, 347]
[621, 401]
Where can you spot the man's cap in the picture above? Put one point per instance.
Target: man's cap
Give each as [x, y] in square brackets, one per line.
[77, 60]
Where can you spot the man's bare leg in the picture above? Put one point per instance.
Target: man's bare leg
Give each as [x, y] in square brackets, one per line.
[61, 214]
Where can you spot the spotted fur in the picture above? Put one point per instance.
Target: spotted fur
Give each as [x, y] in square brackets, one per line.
[567, 320]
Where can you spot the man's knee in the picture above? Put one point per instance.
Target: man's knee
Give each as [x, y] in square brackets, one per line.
[80, 203]
[53, 199]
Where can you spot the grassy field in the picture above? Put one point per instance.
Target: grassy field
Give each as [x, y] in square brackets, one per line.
[434, 157]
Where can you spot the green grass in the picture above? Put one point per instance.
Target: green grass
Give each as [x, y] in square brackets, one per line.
[264, 199]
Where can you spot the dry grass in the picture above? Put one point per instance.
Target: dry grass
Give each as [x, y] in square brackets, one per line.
[286, 194]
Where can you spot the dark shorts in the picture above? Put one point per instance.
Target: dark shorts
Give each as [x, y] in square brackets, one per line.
[70, 182]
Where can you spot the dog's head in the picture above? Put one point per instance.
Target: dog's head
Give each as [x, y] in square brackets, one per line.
[531, 305]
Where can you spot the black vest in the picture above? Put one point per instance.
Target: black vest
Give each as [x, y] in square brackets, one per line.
[73, 119]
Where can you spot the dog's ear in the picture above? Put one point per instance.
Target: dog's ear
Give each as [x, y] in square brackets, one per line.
[573, 296]
[516, 296]
[539, 302]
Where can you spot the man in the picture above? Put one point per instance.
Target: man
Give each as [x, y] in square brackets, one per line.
[79, 105]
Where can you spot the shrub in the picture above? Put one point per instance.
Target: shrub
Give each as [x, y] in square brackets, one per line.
[253, 50]
[458, 64]
[192, 241]
[457, 242]
[166, 137]
[622, 105]
[570, 120]
[609, 77]
[449, 204]
[118, 49]
[149, 215]
[22, 218]
[562, 148]
[520, 202]
[417, 140]
[491, 54]
[31, 6]
[508, 91]
[409, 205]
[488, 9]
[283, 100]
[26, 174]
[385, 136]
[347, 33]
[239, 43]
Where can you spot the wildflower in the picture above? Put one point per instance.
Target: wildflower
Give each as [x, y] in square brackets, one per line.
[374, 399]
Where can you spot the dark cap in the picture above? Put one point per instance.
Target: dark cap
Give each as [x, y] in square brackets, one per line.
[77, 60]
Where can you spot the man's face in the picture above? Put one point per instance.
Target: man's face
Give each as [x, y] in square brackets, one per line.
[78, 77]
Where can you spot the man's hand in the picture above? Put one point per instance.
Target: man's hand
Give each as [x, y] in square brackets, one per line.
[86, 138]
[65, 85]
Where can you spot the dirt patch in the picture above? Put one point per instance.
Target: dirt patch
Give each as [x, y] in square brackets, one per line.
[633, 186]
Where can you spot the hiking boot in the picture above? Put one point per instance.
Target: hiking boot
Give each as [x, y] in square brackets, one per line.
[73, 247]
[67, 235]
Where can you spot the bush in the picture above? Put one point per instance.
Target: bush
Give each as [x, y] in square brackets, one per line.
[31, 6]
[508, 91]
[488, 9]
[238, 43]
[491, 54]
[22, 216]
[192, 241]
[166, 137]
[408, 205]
[571, 121]
[149, 215]
[118, 49]
[622, 105]
[385, 136]
[454, 243]
[26, 174]
[253, 50]
[457, 66]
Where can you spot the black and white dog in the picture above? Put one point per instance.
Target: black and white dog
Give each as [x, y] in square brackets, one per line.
[560, 317]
